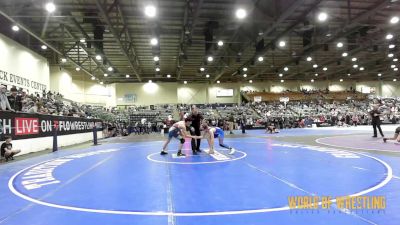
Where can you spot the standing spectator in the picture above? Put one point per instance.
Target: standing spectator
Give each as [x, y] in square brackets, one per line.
[15, 100]
[231, 120]
[7, 150]
[4, 104]
[355, 119]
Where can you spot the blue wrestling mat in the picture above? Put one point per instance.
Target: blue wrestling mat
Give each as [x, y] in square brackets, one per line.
[130, 183]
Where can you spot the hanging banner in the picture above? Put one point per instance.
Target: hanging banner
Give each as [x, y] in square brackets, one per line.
[25, 126]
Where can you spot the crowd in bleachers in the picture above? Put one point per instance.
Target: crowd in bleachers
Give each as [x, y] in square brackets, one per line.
[305, 113]
[148, 119]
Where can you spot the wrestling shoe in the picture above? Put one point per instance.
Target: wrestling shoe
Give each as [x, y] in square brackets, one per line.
[180, 154]
[232, 151]
[384, 140]
[198, 150]
[163, 152]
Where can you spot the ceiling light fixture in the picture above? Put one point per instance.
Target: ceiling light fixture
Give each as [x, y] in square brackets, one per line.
[150, 11]
[322, 16]
[394, 20]
[153, 41]
[241, 13]
[50, 7]
[15, 28]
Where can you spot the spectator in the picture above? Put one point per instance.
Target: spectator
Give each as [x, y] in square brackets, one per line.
[15, 100]
[7, 150]
[4, 104]
[35, 107]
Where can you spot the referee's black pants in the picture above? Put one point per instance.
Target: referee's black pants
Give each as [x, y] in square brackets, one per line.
[377, 125]
[195, 131]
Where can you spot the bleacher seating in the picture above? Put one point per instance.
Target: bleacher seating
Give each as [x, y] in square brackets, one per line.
[307, 96]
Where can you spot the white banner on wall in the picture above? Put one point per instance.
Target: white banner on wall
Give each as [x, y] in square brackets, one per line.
[21, 67]
[257, 98]
[225, 93]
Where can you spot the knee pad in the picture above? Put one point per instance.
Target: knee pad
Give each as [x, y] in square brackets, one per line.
[182, 140]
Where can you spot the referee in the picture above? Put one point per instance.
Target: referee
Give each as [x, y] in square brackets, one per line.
[376, 121]
[196, 119]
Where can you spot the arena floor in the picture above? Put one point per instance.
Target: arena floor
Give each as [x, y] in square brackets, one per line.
[125, 181]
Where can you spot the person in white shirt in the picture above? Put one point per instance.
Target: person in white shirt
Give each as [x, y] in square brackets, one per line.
[4, 104]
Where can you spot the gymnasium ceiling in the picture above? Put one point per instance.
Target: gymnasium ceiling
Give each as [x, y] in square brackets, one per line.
[188, 32]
